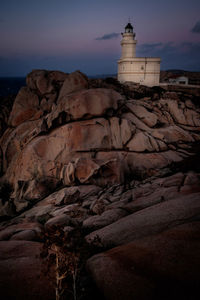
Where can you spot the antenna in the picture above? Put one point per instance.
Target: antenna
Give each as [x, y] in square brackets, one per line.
[129, 19]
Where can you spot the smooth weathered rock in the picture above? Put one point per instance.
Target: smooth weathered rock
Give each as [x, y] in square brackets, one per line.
[98, 206]
[107, 217]
[183, 115]
[77, 135]
[149, 221]
[172, 134]
[22, 272]
[14, 140]
[29, 231]
[142, 113]
[85, 169]
[164, 266]
[40, 213]
[45, 82]
[26, 107]
[147, 164]
[95, 160]
[84, 104]
[61, 220]
[44, 155]
[136, 121]
[75, 212]
[143, 142]
[71, 195]
[74, 82]
[27, 235]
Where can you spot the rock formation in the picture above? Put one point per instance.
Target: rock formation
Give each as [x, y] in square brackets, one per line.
[109, 161]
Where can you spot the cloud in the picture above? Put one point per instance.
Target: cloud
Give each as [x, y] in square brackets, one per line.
[108, 36]
[184, 55]
[149, 47]
[196, 28]
[155, 49]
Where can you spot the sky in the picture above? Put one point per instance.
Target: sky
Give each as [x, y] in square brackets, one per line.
[69, 35]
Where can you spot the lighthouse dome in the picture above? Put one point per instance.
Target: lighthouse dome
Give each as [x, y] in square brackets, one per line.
[129, 28]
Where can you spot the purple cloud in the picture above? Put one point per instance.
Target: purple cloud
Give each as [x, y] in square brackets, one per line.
[196, 28]
[108, 36]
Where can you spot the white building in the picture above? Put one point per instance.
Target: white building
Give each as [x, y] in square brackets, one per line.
[176, 79]
[143, 70]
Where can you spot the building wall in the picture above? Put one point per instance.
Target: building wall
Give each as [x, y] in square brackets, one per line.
[182, 80]
[128, 44]
[140, 70]
[179, 80]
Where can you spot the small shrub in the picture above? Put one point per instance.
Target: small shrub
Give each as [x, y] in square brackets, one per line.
[68, 252]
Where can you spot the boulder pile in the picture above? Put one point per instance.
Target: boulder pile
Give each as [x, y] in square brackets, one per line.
[109, 161]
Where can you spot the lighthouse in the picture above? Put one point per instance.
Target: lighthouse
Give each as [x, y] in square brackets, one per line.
[128, 42]
[143, 70]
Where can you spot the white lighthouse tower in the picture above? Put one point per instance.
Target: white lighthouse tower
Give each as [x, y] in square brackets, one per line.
[143, 70]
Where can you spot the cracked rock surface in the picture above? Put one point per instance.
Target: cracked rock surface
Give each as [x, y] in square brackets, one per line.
[119, 163]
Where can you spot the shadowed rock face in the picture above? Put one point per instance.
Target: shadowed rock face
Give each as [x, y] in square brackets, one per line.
[66, 133]
[119, 163]
[164, 266]
[22, 277]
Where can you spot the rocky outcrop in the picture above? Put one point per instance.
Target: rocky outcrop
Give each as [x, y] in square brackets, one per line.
[155, 222]
[102, 166]
[67, 134]
[6, 104]
[22, 271]
[149, 221]
[163, 266]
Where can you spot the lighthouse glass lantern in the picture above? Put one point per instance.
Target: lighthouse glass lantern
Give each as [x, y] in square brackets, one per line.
[129, 28]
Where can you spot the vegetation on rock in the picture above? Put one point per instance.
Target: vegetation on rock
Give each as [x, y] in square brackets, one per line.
[99, 177]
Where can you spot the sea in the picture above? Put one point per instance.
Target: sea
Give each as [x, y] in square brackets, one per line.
[11, 85]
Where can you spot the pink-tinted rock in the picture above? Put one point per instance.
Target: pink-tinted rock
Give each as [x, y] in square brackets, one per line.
[74, 82]
[25, 231]
[72, 194]
[32, 190]
[172, 134]
[45, 82]
[44, 155]
[176, 112]
[99, 206]
[22, 272]
[142, 113]
[89, 136]
[143, 142]
[136, 121]
[85, 169]
[140, 163]
[61, 220]
[26, 107]
[153, 198]
[27, 235]
[13, 141]
[161, 266]
[192, 178]
[40, 213]
[106, 218]
[171, 95]
[148, 221]
[85, 104]
[192, 117]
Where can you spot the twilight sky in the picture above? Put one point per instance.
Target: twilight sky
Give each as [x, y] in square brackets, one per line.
[85, 34]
